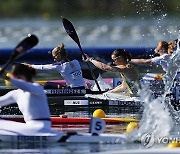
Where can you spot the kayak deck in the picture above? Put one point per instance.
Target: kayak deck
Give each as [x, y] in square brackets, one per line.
[76, 97]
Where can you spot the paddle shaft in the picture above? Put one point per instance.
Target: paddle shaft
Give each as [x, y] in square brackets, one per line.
[92, 74]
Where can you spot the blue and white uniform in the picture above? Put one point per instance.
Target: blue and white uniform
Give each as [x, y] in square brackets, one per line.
[32, 102]
[161, 60]
[70, 71]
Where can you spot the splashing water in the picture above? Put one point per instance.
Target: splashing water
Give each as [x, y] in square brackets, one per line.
[155, 118]
[159, 116]
[173, 69]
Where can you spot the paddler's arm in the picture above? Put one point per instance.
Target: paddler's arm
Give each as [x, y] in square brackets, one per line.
[42, 67]
[26, 86]
[8, 98]
[103, 66]
[100, 65]
[141, 61]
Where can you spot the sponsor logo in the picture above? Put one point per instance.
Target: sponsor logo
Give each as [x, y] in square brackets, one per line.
[95, 102]
[31, 138]
[76, 102]
[65, 91]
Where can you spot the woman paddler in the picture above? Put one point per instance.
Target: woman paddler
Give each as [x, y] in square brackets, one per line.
[70, 70]
[163, 50]
[129, 74]
[30, 98]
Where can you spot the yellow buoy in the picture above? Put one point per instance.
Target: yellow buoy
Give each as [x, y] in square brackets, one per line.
[173, 145]
[8, 83]
[131, 126]
[99, 113]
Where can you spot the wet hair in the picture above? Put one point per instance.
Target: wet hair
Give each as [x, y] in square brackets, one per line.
[172, 46]
[25, 70]
[124, 53]
[60, 49]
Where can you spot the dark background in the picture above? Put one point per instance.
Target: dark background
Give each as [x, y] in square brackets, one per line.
[87, 8]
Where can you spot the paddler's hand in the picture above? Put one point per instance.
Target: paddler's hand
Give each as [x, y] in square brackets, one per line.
[86, 58]
[29, 65]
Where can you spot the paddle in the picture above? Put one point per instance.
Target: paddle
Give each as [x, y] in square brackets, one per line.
[26, 44]
[72, 33]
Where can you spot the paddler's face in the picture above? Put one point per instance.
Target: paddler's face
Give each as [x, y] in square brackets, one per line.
[117, 60]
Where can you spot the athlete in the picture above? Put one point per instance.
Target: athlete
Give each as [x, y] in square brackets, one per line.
[30, 98]
[69, 70]
[128, 72]
[163, 49]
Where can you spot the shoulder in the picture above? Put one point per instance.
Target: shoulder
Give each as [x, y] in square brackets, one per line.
[37, 88]
[15, 93]
[75, 62]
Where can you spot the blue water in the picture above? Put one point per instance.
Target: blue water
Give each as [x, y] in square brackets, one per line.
[80, 148]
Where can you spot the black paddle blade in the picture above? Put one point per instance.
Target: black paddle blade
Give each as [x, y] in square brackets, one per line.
[70, 30]
[26, 44]
[87, 74]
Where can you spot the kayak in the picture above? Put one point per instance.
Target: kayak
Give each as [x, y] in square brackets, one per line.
[77, 98]
[74, 120]
[88, 98]
[12, 131]
[92, 97]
